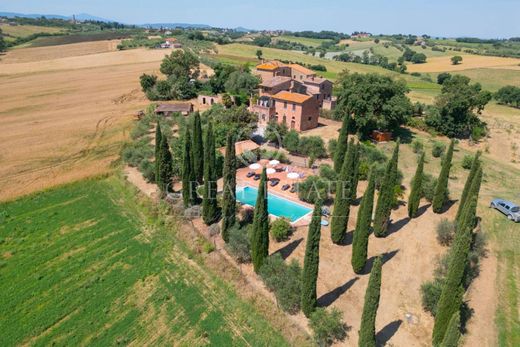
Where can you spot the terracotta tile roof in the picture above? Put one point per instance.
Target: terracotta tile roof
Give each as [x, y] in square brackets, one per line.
[302, 69]
[315, 80]
[275, 81]
[270, 65]
[293, 97]
[179, 107]
[241, 147]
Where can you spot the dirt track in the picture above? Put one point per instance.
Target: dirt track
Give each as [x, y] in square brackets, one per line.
[65, 118]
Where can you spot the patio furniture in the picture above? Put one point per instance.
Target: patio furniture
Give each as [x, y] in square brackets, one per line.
[274, 182]
[270, 171]
[257, 177]
[293, 189]
[274, 162]
[285, 187]
[250, 174]
[255, 166]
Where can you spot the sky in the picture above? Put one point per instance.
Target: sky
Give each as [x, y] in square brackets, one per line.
[444, 18]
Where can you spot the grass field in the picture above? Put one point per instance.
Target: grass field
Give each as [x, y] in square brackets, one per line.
[91, 266]
[303, 40]
[240, 54]
[26, 30]
[66, 110]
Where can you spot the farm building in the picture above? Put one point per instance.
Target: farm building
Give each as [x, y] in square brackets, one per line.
[166, 110]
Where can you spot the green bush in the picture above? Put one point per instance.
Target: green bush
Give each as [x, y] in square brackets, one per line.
[417, 146]
[239, 245]
[328, 327]
[430, 294]
[313, 189]
[478, 132]
[284, 280]
[147, 168]
[438, 149]
[445, 232]
[281, 229]
[428, 187]
[467, 161]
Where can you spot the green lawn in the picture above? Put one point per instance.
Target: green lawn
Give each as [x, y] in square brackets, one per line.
[240, 53]
[88, 264]
[303, 40]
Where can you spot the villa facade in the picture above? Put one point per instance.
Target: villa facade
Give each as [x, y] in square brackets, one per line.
[291, 94]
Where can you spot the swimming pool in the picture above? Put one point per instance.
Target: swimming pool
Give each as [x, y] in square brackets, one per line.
[277, 206]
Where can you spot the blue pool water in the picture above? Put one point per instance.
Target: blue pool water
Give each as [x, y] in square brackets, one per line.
[276, 205]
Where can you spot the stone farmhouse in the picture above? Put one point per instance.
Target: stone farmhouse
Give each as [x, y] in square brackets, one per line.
[291, 94]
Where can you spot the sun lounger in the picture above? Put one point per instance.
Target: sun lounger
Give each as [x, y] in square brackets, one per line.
[285, 187]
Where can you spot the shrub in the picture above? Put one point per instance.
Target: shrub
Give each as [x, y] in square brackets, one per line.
[467, 161]
[313, 189]
[438, 149]
[328, 327]
[430, 294]
[417, 146]
[281, 229]
[445, 232]
[328, 173]
[239, 245]
[246, 215]
[284, 280]
[147, 168]
[428, 188]
[478, 133]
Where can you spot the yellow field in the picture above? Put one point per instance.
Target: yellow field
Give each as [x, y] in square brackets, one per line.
[443, 63]
[65, 118]
[26, 30]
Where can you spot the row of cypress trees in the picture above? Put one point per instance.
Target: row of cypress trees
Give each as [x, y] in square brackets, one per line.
[447, 320]
[163, 160]
[346, 188]
[386, 195]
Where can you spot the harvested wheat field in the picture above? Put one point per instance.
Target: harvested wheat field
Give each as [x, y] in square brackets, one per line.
[440, 64]
[65, 117]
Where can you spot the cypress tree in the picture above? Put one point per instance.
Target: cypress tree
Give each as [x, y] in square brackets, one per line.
[354, 173]
[386, 195]
[198, 149]
[341, 211]
[362, 232]
[367, 330]
[260, 235]
[449, 303]
[441, 188]
[158, 136]
[209, 202]
[165, 165]
[311, 263]
[189, 193]
[230, 183]
[415, 195]
[474, 167]
[452, 336]
[341, 148]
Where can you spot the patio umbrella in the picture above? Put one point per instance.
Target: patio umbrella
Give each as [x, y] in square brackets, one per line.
[293, 175]
[270, 171]
[274, 162]
[255, 166]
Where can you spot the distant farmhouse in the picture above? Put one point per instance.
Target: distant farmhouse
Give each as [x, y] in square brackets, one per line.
[291, 94]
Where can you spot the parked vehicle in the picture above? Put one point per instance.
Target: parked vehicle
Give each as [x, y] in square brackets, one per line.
[510, 209]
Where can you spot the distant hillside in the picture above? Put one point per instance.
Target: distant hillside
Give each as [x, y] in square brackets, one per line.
[81, 16]
[176, 25]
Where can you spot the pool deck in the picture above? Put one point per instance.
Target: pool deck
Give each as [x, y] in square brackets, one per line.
[243, 180]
